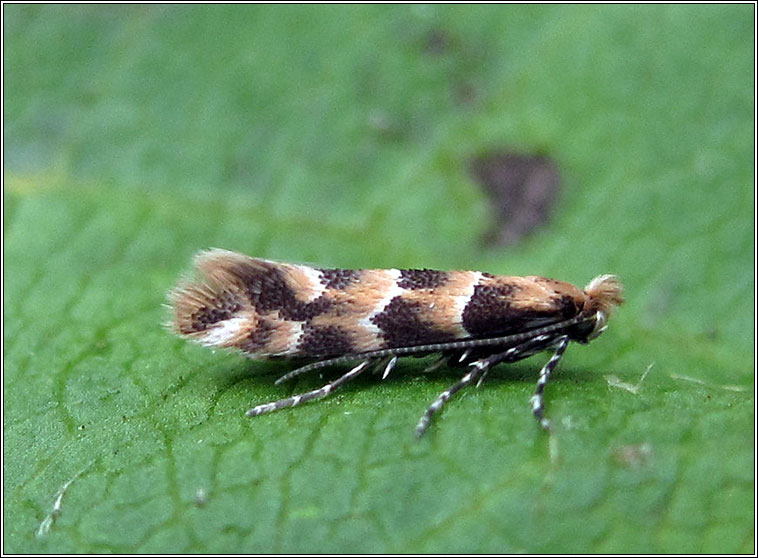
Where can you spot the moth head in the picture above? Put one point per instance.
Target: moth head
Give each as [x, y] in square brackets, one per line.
[604, 294]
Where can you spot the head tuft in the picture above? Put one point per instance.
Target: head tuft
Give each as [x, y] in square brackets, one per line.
[605, 293]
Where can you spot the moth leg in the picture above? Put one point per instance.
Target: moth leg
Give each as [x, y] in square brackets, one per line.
[478, 369]
[480, 381]
[525, 350]
[477, 374]
[317, 365]
[538, 407]
[389, 366]
[463, 356]
[438, 363]
[307, 396]
[297, 372]
[513, 354]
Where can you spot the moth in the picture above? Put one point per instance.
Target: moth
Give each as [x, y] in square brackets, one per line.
[327, 316]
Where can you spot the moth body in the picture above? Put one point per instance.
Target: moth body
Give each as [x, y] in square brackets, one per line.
[268, 309]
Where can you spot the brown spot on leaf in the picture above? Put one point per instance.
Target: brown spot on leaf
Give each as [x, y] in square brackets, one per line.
[522, 189]
[438, 41]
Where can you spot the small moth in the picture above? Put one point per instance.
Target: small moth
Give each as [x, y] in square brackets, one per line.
[473, 320]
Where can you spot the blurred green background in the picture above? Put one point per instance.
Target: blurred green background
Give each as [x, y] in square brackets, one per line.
[341, 135]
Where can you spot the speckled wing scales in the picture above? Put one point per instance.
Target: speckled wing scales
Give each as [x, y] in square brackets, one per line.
[266, 308]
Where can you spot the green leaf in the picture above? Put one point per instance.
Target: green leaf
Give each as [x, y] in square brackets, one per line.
[340, 135]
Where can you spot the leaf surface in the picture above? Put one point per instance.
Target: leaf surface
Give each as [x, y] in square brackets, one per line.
[340, 136]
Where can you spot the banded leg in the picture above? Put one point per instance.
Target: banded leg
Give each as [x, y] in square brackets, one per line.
[302, 370]
[514, 354]
[439, 363]
[521, 351]
[453, 359]
[472, 376]
[538, 406]
[307, 396]
[482, 366]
